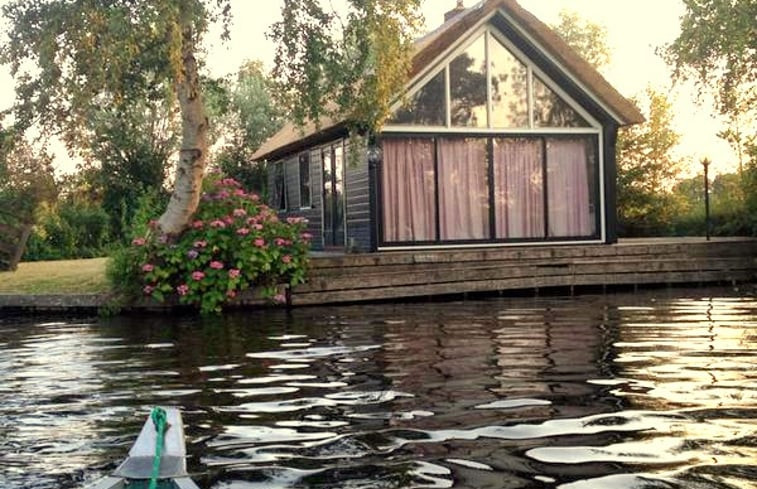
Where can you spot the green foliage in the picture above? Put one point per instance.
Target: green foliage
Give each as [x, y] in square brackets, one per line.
[647, 170]
[27, 178]
[71, 59]
[349, 66]
[588, 39]
[129, 153]
[730, 212]
[69, 230]
[235, 243]
[246, 116]
[717, 48]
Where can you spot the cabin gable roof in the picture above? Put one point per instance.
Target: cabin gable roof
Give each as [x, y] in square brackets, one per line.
[438, 43]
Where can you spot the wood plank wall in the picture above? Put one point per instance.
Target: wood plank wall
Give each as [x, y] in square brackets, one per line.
[392, 275]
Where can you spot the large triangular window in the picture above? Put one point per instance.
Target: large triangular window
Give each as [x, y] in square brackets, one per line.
[550, 110]
[426, 107]
[467, 87]
[488, 86]
[509, 87]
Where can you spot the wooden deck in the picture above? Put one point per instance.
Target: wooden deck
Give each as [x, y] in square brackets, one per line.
[394, 275]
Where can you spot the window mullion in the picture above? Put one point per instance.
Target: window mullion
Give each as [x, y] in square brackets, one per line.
[487, 71]
[531, 124]
[448, 96]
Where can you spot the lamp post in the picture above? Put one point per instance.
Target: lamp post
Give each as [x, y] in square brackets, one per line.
[706, 164]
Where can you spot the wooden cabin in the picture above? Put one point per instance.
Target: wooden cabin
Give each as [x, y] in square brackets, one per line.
[504, 137]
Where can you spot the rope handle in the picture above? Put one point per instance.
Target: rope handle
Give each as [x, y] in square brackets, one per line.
[159, 419]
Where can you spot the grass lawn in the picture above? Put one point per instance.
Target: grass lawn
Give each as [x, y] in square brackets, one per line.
[56, 277]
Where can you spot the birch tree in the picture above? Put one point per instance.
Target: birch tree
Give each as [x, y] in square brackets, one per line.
[70, 58]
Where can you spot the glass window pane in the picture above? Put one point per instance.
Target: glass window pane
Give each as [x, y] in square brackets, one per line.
[305, 200]
[467, 84]
[463, 189]
[519, 188]
[427, 107]
[407, 187]
[572, 182]
[552, 111]
[280, 191]
[509, 84]
[339, 196]
[328, 196]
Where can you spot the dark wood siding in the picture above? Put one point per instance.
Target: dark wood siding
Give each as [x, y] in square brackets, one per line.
[292, 176]
[358, 199]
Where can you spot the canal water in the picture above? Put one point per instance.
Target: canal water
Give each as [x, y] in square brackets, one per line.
[649, 390]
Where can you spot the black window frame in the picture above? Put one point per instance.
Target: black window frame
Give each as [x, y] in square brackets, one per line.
[594, 138]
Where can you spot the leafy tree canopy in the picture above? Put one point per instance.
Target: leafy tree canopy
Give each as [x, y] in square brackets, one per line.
[27, 178]
[344, 64]
[587, 38]
[647, 168]
[717, 48]
[70, 59]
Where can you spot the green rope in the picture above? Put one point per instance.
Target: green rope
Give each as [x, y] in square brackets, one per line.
[158, 416]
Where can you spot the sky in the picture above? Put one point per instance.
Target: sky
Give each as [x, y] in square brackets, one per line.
[635, 29]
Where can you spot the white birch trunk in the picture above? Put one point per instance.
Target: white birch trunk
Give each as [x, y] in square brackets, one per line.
[194, 146]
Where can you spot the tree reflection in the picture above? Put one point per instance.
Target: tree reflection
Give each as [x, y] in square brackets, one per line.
[467, 85]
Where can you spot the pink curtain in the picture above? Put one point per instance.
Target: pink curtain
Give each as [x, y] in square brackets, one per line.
[408, 190]
[518, 188]
[463, 189]
[570, 199]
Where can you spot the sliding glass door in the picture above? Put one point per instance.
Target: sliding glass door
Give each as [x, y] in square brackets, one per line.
[333, 196]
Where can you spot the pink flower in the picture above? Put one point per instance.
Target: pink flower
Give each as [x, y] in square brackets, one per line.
[234, 273]
[239, 212]
[231, 294]
[228, 220]
[201, 244]
[148, 267]
[138, 242]
[243, 231]
[197, 276]
[280, 241]
[198, 224]
[260, 242]
[182, 289]
[306, 236]
[287, 259]
[216, 265]
[280, 298]
[223, 195]
[257, 227]
[148, 290]
[296, 220]
[255, 197]
[153, 224]
[229, 182]
[240, 192]
[218, 224]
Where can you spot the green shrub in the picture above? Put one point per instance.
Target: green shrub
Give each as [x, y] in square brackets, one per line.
[69, 230]
[234, 243]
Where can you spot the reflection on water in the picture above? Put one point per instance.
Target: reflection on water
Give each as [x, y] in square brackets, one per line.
[656, 390]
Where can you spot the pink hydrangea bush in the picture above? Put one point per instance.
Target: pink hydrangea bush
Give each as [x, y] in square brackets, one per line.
[234, 243]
